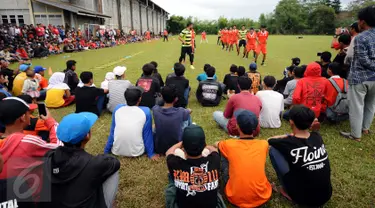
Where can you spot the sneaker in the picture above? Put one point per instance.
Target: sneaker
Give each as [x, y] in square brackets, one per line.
[192, 67]
[262, 64]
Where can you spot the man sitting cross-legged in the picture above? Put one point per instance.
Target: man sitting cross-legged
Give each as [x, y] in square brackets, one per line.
[244, 100]
[243, 164]
[131, 129]
[301, 161]
[193, 180]
[75, 178]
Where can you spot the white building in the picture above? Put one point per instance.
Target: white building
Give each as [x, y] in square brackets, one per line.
[140, 15]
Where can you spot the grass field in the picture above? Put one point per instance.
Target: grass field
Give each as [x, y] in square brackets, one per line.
[143, 181]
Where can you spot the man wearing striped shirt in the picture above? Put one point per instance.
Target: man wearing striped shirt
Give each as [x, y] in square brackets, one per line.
[187, 47]
[117, 88]
[242, 33]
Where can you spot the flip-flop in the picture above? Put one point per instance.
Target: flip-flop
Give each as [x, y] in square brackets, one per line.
[279, 189]
[349, 136]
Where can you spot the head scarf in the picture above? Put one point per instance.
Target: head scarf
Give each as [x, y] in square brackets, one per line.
[56, 81]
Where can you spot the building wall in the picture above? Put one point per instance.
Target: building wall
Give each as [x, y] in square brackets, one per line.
[87, 4]
[144, 18]
[14, 11]
[150, 23]
[110, 8]
[125, 15]
[46, 14]
[136, 19]
[155, 25]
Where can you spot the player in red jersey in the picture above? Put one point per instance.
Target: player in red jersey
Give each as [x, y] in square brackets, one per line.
[262, 42]
[234, 39]
[148, 36]
[204, 37]
[224, 34]
[251, 45]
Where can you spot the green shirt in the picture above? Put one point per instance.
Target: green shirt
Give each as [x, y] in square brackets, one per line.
[243, 34]
[186, 35]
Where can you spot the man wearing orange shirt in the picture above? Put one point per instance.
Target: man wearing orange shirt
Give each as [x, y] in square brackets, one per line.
[148, 36]
[234, 39]
[251, 44]
[243, 164]
[165, 35]
[262, 42]
[224, 34]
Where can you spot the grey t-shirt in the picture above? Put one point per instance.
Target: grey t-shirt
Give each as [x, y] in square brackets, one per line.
[289, 90]
[116, 93]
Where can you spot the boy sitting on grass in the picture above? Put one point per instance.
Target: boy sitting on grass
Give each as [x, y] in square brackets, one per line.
[169, 121]
[209, 92]
[230, 81]
[291, 85]
[301, 161]
[204, 76]
[150, 85]
[255, 77]
[182, 85]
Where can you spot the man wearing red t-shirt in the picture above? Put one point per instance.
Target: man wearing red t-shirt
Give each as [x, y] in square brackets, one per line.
[251, 43]
[245, 100]
[262, 44]
[165, 35]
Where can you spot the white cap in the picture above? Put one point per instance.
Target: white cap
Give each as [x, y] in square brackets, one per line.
[119, 70]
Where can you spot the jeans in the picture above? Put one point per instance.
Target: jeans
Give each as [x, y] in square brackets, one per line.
[186, 95]
[224, 170]
[186, 123]
[286, 115]
[361, 107]
[110, 187]
[279, 163]
[221, 120]
[100, 103]
[334, 117]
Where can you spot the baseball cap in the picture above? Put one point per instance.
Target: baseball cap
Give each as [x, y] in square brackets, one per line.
[246, 120]
[38, 69]
[11, 108]
[296, 61]
[193, 140]
[29, 100]
[24, 67]
[253, 66]
[119, 70]
[74, 127]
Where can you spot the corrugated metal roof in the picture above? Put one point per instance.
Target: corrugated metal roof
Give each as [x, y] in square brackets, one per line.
[73, 8]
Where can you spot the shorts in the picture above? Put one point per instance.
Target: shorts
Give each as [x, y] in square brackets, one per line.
[251, 48]
[242, 43]
[262, 48]
[234, 42]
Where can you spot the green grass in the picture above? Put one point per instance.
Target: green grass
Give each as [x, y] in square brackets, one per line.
[143, 181]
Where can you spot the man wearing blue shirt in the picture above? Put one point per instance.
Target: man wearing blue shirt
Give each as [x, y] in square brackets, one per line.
[131, 129]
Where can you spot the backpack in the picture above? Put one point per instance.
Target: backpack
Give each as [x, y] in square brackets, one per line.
[255, 78]
[341, 105]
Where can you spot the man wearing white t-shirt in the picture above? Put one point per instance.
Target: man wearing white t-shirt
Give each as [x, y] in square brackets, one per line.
[272, 102]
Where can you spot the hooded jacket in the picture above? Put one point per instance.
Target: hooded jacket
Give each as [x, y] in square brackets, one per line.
[311, 90]
[74, 178]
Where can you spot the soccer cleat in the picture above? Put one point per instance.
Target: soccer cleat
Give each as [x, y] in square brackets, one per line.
[263, 64]
[192, 67]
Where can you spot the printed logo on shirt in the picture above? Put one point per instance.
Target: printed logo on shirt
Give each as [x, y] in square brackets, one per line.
[145, 84]
[312, 160]
[9, 204]
[210, 92]
[199, 179]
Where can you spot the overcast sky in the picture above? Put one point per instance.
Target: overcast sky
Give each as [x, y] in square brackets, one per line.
[213, 9]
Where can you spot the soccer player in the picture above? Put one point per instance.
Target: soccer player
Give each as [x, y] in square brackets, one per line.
[148, 36]
[204, 37]
[224, 34]
[219, 37]
[262, 42]
[251, 45]
[242, 35]
[229, 38]
[165, 35]
[234, 39]
[186, 37]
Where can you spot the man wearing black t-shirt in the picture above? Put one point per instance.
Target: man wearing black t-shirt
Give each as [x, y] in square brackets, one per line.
[150, 85]
[182, 85]
[9, 73]
[194, 181]
[88, 98]
[301, 161]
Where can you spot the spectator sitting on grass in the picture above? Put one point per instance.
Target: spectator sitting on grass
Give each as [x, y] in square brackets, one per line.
[209, 92]
[117, 88]
[58, 93]
[182, 85]
[3, 82]
[245, 180]
[150, 85]
[203, 76]
[89, 98]
[43, 82]
[291, 85]
[169, 121]
[131, 128]
[295, 62]
[20, 79]
[256, 78]
[301, 161]
[272, 104]
[156, 73]
[231, 80]
[194, 166]
[71, 77]
[73, 176]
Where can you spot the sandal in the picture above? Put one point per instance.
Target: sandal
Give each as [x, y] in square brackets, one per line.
[280, 189]
[349, 136]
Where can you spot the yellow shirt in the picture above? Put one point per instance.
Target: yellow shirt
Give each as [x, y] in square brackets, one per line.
[55, 98]
[18, 83]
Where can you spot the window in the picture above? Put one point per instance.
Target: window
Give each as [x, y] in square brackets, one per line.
[37, 16]
[13, 19]
[4, 18]
[43, 16]
[51, 16]
[21, 21]
[58, 16]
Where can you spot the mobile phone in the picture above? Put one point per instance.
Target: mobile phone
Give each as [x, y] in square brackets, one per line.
[42, 109]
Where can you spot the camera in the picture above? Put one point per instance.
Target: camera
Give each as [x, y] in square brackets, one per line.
[319, 54]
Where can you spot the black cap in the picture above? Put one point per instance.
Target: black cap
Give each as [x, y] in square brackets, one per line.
[11, 109]
[247, 121]
[193, 140]
[296, 61]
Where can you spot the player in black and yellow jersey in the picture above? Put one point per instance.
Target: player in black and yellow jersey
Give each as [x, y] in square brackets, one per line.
[242, 33]
[186, 37]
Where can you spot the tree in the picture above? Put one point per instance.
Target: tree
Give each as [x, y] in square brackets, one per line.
[222, 22]
[290, 17]
[176, 24]
[262, 19]
[322, 20]
[336, 5]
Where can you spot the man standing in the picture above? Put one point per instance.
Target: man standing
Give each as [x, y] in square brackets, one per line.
[361, 79]
[186, 37]
[262, 44]
[71, 77]
[165, 35]
[242, 34]
[252, 39]
[234, 38]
